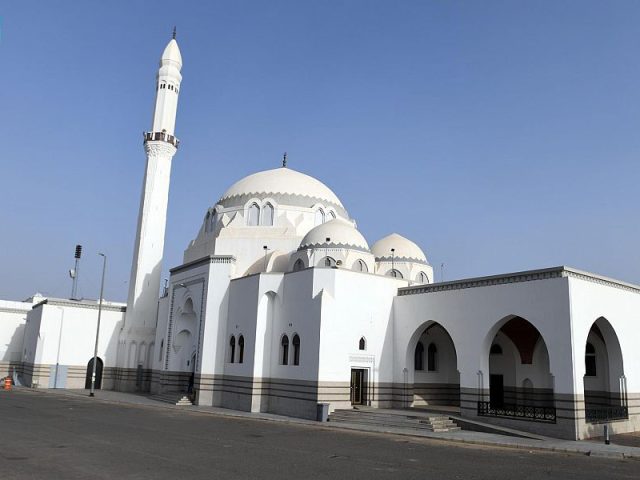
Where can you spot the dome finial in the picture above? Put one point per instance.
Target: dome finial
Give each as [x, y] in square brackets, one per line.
[284, 160]
[174, 32]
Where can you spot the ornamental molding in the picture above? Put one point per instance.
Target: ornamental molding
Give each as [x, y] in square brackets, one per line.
[15, 310]
[159, 149]
[362, 358]
[209, 259]
[402, 260]
[519, 277]
[336, 246]
[292, 199]
[90, 305]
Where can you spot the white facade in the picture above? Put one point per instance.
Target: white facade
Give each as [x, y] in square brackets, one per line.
[281, 304]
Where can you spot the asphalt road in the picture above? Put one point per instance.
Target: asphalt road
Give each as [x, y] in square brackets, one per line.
[45, 436]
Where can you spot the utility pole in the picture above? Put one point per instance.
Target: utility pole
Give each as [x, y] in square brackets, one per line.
[95, 349]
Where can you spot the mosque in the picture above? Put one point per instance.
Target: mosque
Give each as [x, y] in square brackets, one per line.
[281, 304]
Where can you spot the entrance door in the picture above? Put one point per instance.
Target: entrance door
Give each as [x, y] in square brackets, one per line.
[99, 365]
[496, 391]
[358, 386]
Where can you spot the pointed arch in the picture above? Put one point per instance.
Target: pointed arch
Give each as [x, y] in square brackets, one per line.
[296, 349]
[253, 215]
[604, 380]
[268, 213]
[241, 349]
[232, 349]
[360, 266]
[395, 273]
[432, 387]
[284, 350]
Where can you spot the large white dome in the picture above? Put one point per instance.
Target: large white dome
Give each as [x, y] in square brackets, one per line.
[341, 234]
[405, 249]
[283, 182]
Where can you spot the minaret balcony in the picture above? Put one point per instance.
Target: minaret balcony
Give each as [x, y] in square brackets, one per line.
[161, 137]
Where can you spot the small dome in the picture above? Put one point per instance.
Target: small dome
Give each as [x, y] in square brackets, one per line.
[281, 182]
[171, 54]
[405, 249]
[341, 234]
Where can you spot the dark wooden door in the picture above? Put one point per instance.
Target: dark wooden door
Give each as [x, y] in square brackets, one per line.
[358, 386]
[99, 365]
[496, 391]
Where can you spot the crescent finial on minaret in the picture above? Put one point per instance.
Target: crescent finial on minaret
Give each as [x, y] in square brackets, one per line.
[174, 32]
[284, 160]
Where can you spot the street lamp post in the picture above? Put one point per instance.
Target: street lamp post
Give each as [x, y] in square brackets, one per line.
[393, 262]
[95, 349]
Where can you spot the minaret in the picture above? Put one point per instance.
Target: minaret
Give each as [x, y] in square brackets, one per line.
[160, 145]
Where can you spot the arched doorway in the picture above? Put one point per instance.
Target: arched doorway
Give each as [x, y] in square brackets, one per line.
[99, 365]
[520, 380]
[433, 377]
[604, 379]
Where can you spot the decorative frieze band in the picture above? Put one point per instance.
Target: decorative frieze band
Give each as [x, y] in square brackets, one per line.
[526, 276]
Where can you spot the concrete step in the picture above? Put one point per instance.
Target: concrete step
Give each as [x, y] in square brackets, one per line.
[175, 398]
[433, 423]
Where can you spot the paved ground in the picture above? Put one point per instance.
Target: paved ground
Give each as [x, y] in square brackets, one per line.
[626, 439]
[69, 437]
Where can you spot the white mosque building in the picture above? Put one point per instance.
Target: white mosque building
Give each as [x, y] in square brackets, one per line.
[281, 304]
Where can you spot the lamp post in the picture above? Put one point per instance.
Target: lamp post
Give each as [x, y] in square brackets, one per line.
[95, 349]
[326, 252]
[55, 380]
[266, 248]
[393, 263]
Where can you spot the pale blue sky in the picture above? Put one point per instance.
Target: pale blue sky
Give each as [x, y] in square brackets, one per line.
[498, 135]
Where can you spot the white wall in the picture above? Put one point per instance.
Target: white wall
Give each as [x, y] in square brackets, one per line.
[472, 316]
[67, 334]
[621, 308]
[13, 317]
[355, 305]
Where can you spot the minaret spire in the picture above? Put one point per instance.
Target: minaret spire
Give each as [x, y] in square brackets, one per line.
[284, 160]
[160, 145]
[174, 33]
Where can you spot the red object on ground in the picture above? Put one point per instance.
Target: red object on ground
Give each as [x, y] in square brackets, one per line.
[7, 383]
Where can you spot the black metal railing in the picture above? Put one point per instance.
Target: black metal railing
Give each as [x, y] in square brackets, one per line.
[521, 412]
[605, 414]
[161, 136]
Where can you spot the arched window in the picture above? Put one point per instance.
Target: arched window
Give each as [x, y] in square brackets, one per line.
[232, 349]
[284, 350]
[328, 262]
[254, 215]
[332, 216]
[394, 273]
[267, 215]
[495, 349]
[432, 357]
[241, 349]
[590, 361]
[299, 265]
[422, 278]
[362, 344]
[319, 217]
[418, 361]
[360, 266]
[296, 350]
